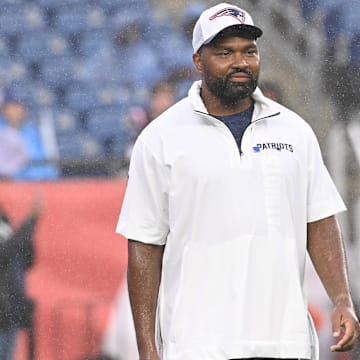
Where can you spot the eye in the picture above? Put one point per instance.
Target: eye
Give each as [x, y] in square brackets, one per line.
[252, 52]
[223, 53]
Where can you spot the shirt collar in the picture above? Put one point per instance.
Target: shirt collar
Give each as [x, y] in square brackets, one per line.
[263, 107]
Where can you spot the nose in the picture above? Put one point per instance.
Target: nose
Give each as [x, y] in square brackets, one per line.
[240, 61]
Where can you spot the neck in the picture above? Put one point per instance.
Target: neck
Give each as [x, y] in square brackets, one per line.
[216, 107]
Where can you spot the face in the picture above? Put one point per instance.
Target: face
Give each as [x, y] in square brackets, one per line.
[162, 98]
[15, 113]
[230, 68]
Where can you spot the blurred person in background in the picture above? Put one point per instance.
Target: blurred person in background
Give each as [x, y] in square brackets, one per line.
[161, 96]
[16, 258]
[14, 154]
[22, 154]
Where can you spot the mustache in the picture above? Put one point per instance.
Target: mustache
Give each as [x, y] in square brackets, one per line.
[238, 70]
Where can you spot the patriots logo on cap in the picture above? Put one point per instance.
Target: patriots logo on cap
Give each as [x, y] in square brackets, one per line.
[237, 14]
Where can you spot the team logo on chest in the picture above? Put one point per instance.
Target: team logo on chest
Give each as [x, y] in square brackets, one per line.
[272, 146]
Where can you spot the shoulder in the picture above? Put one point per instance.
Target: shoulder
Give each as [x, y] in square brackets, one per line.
[175, 116]
[284, 121]
[294, 127]
[162, 129]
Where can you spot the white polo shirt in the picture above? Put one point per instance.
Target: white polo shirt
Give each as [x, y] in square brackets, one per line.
[233, 226]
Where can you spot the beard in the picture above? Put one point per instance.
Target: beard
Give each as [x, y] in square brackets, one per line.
[231, 93]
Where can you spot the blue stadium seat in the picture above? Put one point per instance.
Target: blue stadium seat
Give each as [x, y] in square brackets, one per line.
[4, 60]
[23, 90]
[34, 93]
[18, 18]
[114, 96]
[355, 49]
[159, 30]
[66, 122]
[328, 4]
[32, 46]
[308, 8]
[92, 41]
[58, 71]
[48, 4]
[44, 96]
[37, 45]
[13, 69]
[53, 4]
[74, 142]
[108, 121]
[334, 24]
[121, 144]
[12, 2]
[77, 146]
[79, 18]
[84, 96]
[4, 47]
[113, 5]
[81, 97]
[352, 17]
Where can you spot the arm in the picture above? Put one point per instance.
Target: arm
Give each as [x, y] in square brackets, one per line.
[144, 274]
[19, 242]
[326, 250]
[23, 236]
[22, 241]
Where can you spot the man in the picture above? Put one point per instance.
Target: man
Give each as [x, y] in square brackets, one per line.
[227, 191]
[16, 258]
[22, 151]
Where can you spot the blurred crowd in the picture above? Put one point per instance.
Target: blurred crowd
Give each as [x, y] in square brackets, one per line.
[88, 75]
[340, 24]
[79, 79]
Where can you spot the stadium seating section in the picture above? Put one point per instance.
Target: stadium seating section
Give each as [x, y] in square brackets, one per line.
[46, 55]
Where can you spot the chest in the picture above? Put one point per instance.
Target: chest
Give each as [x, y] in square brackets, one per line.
[207, 153]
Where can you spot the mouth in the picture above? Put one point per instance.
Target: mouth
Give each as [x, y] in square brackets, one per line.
[239, 77]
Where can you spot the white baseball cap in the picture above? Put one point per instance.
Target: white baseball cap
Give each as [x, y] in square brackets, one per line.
[218, 18]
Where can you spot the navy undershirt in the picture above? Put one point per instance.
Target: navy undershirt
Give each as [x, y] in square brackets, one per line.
[237, 123]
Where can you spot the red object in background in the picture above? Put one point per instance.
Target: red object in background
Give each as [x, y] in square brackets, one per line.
[79, 262]
[317, 316]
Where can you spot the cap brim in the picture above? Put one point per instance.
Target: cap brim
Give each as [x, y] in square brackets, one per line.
[252, 30]
[240, 29]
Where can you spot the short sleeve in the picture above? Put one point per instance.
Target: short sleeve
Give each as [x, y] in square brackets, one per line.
[144, 212]
[324, 199]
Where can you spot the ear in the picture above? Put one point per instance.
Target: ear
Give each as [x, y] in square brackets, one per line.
[197, 62]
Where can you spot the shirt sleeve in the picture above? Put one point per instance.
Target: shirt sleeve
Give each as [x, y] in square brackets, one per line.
[144, 213]
[324, 199]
